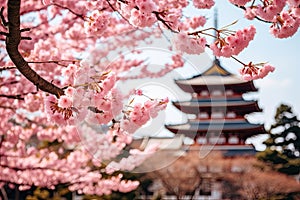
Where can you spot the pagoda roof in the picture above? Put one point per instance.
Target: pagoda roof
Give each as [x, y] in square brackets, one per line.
[216, 70]
[227, 150]
[238, 106]
[215, 76]
[242, 126]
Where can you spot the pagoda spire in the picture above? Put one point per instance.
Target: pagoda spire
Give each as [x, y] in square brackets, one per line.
[216, 60]
[216, 19]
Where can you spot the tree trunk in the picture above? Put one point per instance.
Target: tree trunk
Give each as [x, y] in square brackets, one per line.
[17, 193]
[4, 195]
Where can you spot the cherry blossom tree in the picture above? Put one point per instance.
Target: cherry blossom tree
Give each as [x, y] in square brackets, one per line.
[257, 184]
[63, 118]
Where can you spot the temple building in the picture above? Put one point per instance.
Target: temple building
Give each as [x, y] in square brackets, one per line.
[216, 112]
[218, 126]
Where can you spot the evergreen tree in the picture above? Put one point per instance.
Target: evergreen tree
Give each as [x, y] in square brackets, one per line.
[283, 145]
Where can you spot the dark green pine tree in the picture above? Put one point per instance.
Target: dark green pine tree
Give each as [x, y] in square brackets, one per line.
[283, 145]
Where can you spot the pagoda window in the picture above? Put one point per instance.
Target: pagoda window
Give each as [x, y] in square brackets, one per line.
[221, 140]
[229, 93]
[231, 115]
[216, 93]
[214, 138]
[203, 115]
[217, 115]
[233, 139]
[202, 140]
[204, 93]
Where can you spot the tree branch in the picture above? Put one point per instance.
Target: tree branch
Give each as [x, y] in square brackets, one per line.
[16, 96]
[63, 7]
[258, 18]
[6, 68]
[12, 43]
[158, 17]
[3, 21]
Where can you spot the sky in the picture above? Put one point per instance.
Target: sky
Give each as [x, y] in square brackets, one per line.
[281, 86]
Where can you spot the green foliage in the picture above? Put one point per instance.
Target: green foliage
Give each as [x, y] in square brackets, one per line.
[61, 193]
[283, 145]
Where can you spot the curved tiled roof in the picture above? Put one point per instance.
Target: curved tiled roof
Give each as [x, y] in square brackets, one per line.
[240, 106]
[243, 127]
[215, 76]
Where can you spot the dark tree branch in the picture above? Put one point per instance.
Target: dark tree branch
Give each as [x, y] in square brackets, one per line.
[12, 43]
[9, 83]
[4, 22]
[63, 7]
[24, 30]
[6, 68]
[58, 62]
[158, 17]
[258, 18]
[3, 33]
[26, 38]
[16, 96]
[111, 6]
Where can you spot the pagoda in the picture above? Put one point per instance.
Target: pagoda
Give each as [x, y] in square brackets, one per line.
[219, 109]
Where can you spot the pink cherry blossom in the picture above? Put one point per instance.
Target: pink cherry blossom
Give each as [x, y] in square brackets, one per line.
[270, 9]
[141, 19]
[196, 22]
[46, 2]
[285, 25]
[252, 72]
[203, 3]
[249, 13]
[190, 45]
[233, 44]
[70, 91]
[239, 2]
[139, 92]
[65, 101]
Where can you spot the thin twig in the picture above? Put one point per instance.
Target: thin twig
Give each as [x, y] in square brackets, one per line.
[258, 18]
[4, 22]
[158, 17]
[78, 15]
[111, 6]
[7, 68]
[238, 60]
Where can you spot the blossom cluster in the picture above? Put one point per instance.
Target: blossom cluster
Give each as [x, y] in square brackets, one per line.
[252, 72]
[136, 158]
[141, 113]
[203, 4]
[140, 12]
[196, 22]
[187, 44]
[283, 14]
[97, 23]
[285, 26]
[233, 44]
